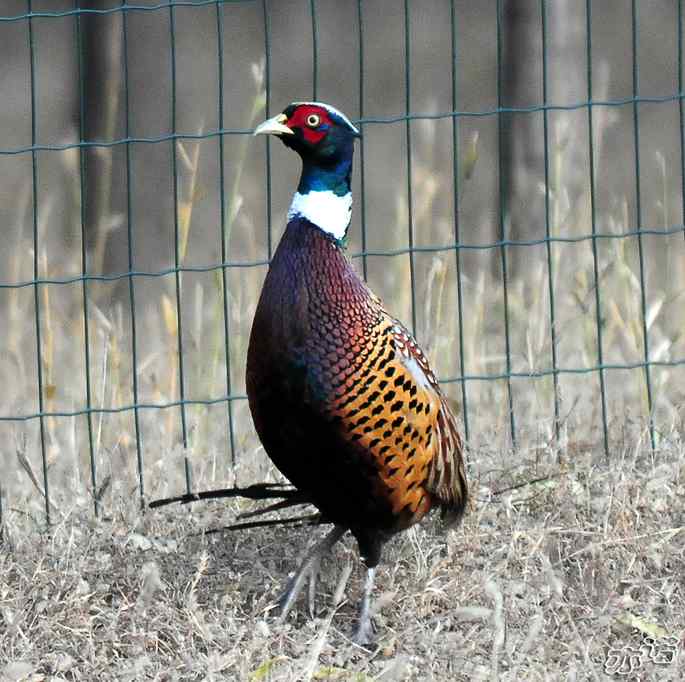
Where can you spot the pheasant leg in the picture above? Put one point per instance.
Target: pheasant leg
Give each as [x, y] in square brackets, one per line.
[309, 568]
[364, 632]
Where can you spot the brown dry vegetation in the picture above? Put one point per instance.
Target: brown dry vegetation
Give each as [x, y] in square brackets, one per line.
[537, 583]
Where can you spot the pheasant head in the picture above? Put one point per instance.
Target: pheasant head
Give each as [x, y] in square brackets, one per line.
[324, 139]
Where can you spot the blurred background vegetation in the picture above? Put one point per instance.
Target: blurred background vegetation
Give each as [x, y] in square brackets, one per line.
[457, 149]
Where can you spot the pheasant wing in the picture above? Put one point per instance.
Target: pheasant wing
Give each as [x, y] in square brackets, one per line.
[393, 410]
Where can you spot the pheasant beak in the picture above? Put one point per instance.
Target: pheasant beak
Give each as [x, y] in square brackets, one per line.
[274, 126]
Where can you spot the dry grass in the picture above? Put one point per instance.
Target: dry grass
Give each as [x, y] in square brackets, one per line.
[539, 581]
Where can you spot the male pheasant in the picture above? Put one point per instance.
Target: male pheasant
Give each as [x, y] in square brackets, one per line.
[341, 395]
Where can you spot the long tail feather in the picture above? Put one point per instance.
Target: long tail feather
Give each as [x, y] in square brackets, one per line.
[257, 491]
[307, 520]
[286, 496]
[283, 504]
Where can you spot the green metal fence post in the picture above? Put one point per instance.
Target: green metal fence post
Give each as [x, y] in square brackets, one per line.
[267, 141]
[410, 197]
[315, 52]
[362, 169]
[222, 222]
[502, 224]
[457, 226]
[638, 211]
[36, 286]
[140, 467]
[548, 233]
[681, 113]
[84, 263]
[593, 218]
[177, 254]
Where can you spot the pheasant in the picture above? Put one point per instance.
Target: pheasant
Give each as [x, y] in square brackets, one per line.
[341, 395]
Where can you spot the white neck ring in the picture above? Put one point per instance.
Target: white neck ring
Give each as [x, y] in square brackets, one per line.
[325, 209]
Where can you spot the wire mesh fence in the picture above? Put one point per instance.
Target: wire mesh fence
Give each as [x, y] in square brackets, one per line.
[548, 292]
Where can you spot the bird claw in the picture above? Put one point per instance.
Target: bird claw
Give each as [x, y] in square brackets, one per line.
[309, 569]
[308, 574]
[311, 592]
[364, 634]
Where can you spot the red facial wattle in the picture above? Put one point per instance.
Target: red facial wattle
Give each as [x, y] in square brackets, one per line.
[299, 119]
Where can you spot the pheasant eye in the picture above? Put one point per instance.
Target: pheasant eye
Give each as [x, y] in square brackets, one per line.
[313, 120]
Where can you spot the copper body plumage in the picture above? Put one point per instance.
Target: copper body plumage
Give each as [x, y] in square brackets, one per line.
[342, 397]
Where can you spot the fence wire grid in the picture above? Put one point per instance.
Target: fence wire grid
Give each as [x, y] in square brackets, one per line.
[38, 427]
